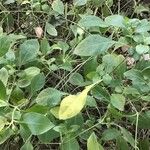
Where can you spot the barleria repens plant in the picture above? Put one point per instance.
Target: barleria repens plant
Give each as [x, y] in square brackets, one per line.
[73, 75]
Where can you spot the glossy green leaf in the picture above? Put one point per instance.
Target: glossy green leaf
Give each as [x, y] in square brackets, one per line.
[93, 45]
[37, 123]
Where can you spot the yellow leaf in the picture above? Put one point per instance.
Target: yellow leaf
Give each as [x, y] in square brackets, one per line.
[55, 111]
[71, 105]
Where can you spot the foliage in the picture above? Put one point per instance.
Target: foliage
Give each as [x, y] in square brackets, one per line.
[73, 76]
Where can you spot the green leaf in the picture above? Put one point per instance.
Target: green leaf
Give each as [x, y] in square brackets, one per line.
[37, 123]
[143, 26]
[28, 51]
[17, 95]
[118, 101]
[47, 137]
[93, 45]
[76, 79]
[3, 103]
[51, 29]
[4, 75]
[144, 144]
[122, 144]
[49, 97]
[91, 21]
[37, 83]
[143, 120]
[146, 72]
[2, 91]
[141, 49]
[5, 134]
[79, 2]
[31, 72]
[5, 44]
[27, 146]
[127, 136]
[45, 47]
[58, 6]
[70, 145]
[101, 93]
[115, 20]
[92, 143]
[110, 134]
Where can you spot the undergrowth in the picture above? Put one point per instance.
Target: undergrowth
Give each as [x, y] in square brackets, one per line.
[74, 75]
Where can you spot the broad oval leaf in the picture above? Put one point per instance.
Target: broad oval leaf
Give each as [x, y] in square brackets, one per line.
[37, 123]
[71, 105]
[110, 134]
[92, 143]
[58, 6]
[91, 21]
[118, 101]
[28, 51]
[115, 20]
[49, 97]
[93, 45]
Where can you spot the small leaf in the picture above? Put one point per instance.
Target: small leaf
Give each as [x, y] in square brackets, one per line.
[50, 97]
[110, 134]
[27, 146]
[92, 143]
[51, 29]
[2, 91]
[127, 136]
[70, 145]
[118, 101]
[115, 20]
[58, 6]
[4, 75]
[37, 123]
[5, 44]
[141, 49]
[47, 137]
[71, 105]
[122, 144]
[37, 82]
[93, 45]
[28, 51]
[5, 134]
[91, 21]
[79, 2]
